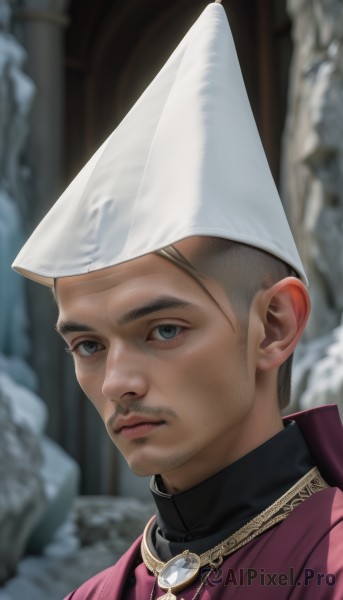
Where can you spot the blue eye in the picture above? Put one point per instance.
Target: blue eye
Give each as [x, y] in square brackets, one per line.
[87, 348]
[166, 332]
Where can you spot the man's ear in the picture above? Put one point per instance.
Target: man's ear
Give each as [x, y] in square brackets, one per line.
[284, 309]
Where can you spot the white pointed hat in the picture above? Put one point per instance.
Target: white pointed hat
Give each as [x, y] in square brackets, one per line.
[187, 160]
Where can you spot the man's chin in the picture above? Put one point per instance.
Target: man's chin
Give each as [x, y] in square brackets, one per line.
[142, 469]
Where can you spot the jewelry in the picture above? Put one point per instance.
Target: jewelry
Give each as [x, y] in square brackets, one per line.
[170, 596]
[182, 570]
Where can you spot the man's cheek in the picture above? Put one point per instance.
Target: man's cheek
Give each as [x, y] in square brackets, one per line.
[93, 393]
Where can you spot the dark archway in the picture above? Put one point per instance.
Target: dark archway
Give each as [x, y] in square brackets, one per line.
[114, 49]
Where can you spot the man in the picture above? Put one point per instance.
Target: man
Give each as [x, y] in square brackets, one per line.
[182, 297]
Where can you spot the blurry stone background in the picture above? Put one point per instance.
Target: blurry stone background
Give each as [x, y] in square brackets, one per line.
[312, 180]
[50, 543]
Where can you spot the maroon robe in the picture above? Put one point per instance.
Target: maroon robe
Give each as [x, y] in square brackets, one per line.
[301, 558]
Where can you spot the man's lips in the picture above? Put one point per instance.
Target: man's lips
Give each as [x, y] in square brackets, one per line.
[136, 426]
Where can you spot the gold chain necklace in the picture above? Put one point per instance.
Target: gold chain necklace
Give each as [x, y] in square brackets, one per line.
[181, 570]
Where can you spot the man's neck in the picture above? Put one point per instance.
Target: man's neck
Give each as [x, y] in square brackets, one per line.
[183, 479]
[204, 515]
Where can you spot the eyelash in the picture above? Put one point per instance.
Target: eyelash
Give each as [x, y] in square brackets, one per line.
[180, 329]
[75, 349]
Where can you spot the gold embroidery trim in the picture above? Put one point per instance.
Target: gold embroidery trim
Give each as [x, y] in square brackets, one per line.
[305, 487]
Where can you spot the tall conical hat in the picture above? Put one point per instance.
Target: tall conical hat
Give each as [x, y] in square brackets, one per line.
[187, 160]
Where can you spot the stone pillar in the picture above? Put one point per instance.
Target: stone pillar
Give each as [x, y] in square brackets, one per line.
[313, 189]
[16, 98]
[40, 25]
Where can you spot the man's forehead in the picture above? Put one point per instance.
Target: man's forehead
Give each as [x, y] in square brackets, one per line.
[147, 284]
[145, 266]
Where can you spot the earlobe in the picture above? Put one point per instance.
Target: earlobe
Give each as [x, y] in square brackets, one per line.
[285, 309]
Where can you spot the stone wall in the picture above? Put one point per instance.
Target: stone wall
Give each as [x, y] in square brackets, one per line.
[97, 533]
[22, 497]
[16, 97]
[313, 191]
[38, 481]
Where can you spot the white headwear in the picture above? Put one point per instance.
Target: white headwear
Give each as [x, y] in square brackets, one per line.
[187, 160]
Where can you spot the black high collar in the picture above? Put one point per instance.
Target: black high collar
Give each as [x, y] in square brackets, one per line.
[203, 516]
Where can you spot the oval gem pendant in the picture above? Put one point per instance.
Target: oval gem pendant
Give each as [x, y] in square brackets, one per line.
[179, 572]
[167, 596]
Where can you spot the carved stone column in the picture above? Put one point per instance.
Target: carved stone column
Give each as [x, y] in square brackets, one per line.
[22, 497]
[40, 25]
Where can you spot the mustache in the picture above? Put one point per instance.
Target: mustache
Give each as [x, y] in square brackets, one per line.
[135, 407]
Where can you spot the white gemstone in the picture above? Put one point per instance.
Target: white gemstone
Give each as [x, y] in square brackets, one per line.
[179, 571]
[167, 596]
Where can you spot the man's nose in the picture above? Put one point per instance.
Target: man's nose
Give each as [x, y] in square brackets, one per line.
[125, 376]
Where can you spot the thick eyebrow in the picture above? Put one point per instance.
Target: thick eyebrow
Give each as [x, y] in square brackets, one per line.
[68, 327]
[161, 303]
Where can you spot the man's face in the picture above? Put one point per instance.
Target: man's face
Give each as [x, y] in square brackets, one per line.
[163, 365]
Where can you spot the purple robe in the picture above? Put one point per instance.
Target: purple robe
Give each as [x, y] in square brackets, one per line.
[300, 558]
